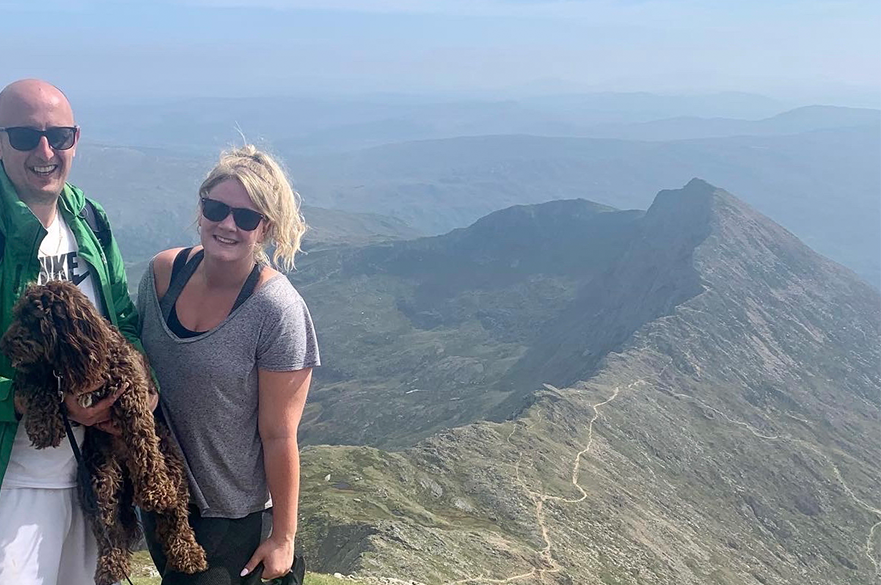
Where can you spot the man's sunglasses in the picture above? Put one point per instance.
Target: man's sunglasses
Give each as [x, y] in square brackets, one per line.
[24, 138]
[246, 219]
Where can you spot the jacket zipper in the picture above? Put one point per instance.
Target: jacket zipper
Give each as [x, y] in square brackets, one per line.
[35, 252]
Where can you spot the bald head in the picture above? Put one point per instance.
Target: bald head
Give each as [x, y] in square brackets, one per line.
[38, 171]
[21, 100]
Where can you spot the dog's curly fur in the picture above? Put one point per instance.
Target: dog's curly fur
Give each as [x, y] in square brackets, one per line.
[57, 332]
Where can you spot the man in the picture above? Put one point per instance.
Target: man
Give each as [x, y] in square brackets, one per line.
[44, 538]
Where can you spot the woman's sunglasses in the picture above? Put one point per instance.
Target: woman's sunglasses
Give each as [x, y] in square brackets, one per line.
[246, 219]
[24, 138]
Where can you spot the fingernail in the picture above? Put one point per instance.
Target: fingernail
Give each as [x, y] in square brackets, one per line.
[244, 572]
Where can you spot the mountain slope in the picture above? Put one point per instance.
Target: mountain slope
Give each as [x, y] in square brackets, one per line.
[433, 325]
[731, 440]
[821, 185]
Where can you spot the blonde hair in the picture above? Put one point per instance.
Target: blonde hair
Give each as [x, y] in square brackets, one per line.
[271, 192]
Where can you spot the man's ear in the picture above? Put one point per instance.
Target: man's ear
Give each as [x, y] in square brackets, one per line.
[76, 140]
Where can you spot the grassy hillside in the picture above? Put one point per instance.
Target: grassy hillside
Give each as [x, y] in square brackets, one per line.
[728, 440]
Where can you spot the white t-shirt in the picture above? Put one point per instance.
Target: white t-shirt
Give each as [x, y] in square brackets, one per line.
[53, 468]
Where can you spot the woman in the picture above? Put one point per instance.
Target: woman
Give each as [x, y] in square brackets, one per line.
[233, 347]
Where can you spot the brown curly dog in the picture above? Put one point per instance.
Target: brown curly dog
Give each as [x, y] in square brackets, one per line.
[58, 342]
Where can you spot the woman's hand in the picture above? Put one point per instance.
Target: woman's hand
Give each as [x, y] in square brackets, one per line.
[277, 556]
[153, 401]
[282, 398]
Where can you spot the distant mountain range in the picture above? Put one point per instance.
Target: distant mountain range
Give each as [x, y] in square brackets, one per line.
[823, 185]
[319, 125]
[815, 170]
[805, 119]
[687, 395]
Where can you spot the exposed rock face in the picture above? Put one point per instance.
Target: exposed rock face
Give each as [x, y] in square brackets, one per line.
[725, 431]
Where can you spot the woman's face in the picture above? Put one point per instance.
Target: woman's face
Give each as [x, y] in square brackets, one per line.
[224, 240]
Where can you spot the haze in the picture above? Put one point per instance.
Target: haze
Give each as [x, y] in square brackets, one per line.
[815, 51]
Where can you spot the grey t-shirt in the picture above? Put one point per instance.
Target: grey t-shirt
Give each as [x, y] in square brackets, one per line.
[208, 388]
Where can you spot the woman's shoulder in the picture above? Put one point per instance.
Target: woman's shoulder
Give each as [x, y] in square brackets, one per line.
[286, 333]
[160, 268]
[278, 288]
[278, 294]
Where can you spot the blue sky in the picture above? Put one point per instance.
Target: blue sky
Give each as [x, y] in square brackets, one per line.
[807, 49]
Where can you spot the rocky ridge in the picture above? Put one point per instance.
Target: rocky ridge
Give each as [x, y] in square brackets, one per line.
[728, 440]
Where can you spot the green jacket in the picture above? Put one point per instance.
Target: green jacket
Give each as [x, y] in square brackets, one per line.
[19, 266]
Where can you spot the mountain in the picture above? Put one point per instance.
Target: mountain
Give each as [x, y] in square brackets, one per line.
[307, 124]
[310, 125]
[448, 314]
[332, 227]
[645, 106]
[823, 185]
[691, 396]
[804, 119]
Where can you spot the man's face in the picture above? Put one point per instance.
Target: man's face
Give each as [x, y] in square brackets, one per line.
[38, 174]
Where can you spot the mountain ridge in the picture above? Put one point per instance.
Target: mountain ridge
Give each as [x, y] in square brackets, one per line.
[821, 185]
[728, 441]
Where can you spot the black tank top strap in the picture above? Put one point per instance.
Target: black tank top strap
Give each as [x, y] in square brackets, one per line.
[180, 275]
[179, 261]
[248, 287]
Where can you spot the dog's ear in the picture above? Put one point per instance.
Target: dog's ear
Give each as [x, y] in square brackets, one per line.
[24, 342]
[33, 305]
[82, 336]
[48, 334]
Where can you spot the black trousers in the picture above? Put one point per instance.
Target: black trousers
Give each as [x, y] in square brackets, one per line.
[229, 544]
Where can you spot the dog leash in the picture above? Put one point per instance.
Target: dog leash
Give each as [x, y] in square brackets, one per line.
[84, 478]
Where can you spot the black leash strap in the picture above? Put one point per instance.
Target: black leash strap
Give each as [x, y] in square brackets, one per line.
[84, 478]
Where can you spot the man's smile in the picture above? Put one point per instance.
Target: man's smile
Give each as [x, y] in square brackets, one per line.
[43, 170]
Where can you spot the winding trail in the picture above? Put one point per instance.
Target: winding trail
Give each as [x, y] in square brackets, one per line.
[539, 498]
[546, 554]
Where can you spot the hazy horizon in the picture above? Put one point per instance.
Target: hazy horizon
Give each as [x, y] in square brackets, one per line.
[822, 51]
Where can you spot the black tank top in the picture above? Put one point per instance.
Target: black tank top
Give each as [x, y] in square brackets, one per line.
[181, 272]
